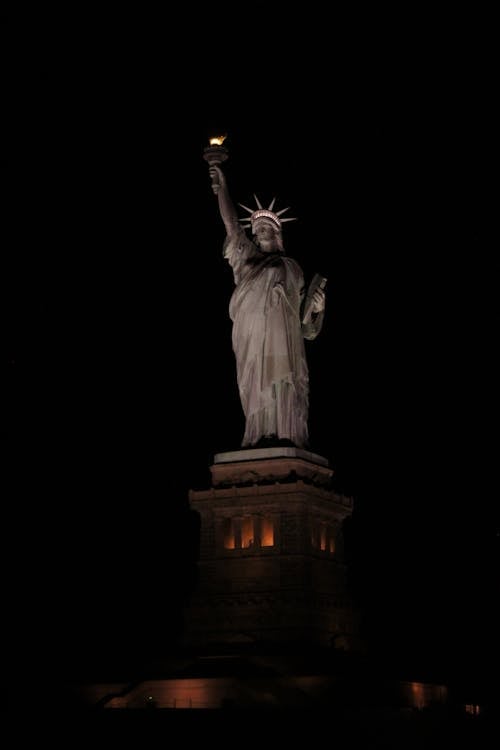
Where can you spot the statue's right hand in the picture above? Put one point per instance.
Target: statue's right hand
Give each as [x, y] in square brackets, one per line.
[218, 178]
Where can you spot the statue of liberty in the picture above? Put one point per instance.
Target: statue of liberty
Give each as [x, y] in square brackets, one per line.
[270, 322]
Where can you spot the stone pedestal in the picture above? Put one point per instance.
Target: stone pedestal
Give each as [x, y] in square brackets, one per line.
[271, 566]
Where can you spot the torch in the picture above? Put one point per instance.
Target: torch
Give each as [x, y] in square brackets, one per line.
[215, 154]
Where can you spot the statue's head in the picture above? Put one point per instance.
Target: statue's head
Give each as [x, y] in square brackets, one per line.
[267, 235]
[266, 226]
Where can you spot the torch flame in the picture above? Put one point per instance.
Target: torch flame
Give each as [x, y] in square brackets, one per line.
[218, 140]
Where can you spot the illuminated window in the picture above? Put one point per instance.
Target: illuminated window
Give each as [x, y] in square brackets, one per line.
[266, 532]
[247, 537]
[472, 708]
[331, 542]
[240, 533]
[229, 536]
[322, 537]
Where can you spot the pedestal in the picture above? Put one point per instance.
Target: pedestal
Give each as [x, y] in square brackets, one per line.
[271, 563]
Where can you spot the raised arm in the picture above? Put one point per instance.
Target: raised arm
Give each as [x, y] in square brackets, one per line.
[226, 205]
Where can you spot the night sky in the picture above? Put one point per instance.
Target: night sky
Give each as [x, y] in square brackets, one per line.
[121, 379]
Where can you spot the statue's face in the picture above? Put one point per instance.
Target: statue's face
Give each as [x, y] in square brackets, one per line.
[265, 236]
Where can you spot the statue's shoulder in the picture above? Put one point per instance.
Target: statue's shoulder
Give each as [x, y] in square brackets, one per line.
[237, 242]
[292, 265]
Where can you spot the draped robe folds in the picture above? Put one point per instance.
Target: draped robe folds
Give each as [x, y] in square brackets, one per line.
[268, 342]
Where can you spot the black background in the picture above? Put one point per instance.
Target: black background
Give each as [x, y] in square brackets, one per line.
[378, 132]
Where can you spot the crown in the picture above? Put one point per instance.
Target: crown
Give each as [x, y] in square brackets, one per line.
[264, 213]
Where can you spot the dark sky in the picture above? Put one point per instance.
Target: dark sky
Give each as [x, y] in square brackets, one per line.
[121, 381]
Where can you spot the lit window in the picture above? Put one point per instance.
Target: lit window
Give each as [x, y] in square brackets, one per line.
[331, 543]
[322, 537]
[472, 708]
[266, 532]
[247, 536]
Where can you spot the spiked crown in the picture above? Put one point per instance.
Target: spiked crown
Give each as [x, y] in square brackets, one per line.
[264, 213]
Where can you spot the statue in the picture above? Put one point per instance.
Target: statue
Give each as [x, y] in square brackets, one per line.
[269, 319]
